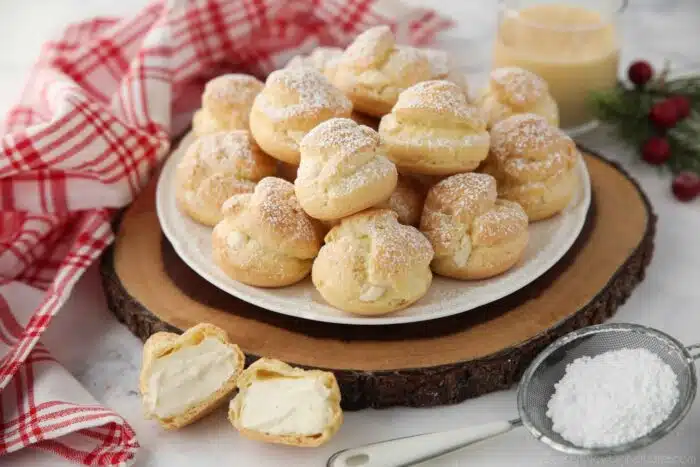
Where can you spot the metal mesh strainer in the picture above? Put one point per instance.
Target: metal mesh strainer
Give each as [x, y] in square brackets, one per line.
[535, 389]
[537, 384]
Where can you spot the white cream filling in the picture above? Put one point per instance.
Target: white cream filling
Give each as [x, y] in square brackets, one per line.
[285, 406]
[462, 254]
[188, 377]
[372, 293]
[235, 239]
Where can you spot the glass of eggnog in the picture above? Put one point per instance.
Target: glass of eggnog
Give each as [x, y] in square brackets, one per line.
[573, 45]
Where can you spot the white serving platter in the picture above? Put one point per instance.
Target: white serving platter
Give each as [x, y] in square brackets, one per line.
[549, 241]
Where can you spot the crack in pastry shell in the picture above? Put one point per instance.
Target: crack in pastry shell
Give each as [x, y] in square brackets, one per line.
[474, 234]
[433, 130]
[534, 164]
[373, 265]
[265, 239]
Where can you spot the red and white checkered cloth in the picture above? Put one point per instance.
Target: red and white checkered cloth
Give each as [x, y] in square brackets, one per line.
[92, 125]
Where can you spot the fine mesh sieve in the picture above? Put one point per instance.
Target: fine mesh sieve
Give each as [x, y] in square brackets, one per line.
[537, 384]
[535, 389]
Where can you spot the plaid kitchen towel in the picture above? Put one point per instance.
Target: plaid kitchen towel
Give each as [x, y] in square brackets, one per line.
[91, 126]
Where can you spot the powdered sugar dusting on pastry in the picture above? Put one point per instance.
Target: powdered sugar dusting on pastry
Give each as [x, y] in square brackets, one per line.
[279, 208]
[298, 91]
[374, 43]
[343, 170]
[506, 219]
[452, 205]
[533, 163]
[320, 58]
[523, 134]
[376, 49]
[443, 97]
[346, 152]
[465, 192]
[217, 166]
[233, 88]
[408, 247]
[230, 152]
[392, 247]
[520, 87]
[225, 147]
[526, 149]
[377, 168]
[343, 135]
[274, 230]
[551, 163]
[395, 248]
[470, 229]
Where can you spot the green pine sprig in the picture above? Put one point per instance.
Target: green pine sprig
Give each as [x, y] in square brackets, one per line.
[626, 109]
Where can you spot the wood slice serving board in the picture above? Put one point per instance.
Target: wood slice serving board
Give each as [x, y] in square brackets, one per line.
[422, 364]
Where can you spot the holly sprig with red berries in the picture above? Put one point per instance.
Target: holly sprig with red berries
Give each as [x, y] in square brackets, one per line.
[661, 117]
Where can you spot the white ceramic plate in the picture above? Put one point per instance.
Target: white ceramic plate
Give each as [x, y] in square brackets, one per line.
[549, 241]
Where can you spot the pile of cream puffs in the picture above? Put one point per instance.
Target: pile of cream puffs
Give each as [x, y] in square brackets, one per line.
[372, 168]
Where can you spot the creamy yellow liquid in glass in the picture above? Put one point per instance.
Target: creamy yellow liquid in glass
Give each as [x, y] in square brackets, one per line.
[573, 48]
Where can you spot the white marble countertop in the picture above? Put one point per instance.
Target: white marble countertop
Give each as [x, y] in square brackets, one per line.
[107, 360]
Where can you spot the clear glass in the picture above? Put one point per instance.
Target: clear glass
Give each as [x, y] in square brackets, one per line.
[573, 45]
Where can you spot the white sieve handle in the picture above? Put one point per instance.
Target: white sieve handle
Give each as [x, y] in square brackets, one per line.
[407, 451]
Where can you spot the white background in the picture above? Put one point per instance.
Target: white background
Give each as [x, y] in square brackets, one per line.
[105, 357]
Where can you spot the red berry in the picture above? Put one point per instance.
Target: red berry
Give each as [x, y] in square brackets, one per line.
[686, 186]
[682, 105]
[640, 72]
[656, 150]
[663, 114]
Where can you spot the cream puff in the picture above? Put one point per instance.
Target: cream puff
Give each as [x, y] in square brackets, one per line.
[373, 265]
[343, 170]
[373, 70]
[293, 102]
[265, 239]
[433, 130]
[474, 234]
[534, 164]
[277, 403]
[406, 200]
[185, 377]
[226, 103]
[323, 59]
[513, 90]
[215, 167]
